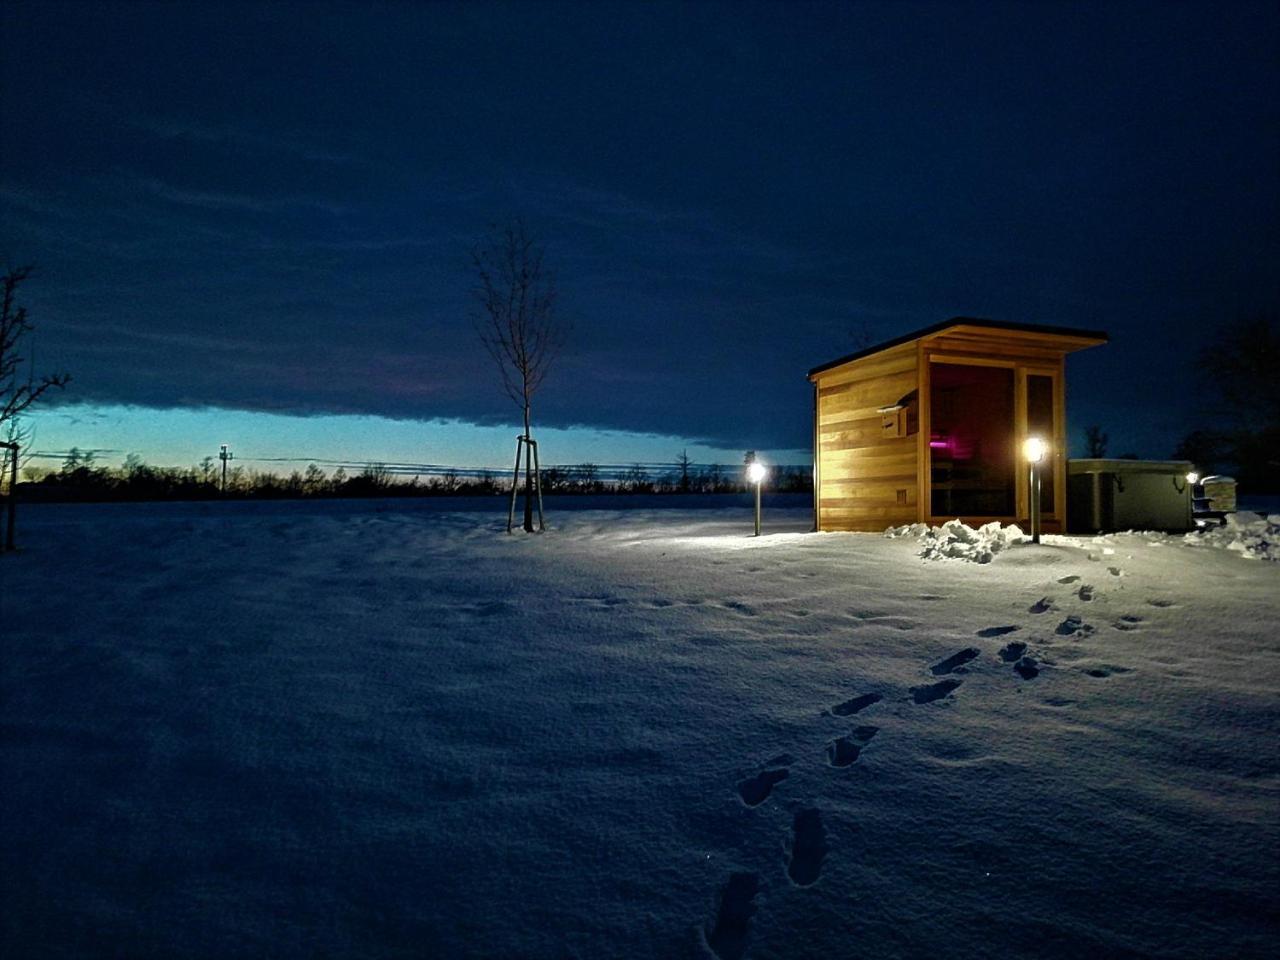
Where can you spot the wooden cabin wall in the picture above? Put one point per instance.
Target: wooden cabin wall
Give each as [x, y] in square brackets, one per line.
[866, 481]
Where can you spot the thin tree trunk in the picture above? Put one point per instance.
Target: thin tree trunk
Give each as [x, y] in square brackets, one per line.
[528, 475]
[12, 505]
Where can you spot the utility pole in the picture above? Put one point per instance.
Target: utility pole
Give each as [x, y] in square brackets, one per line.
[224, 455]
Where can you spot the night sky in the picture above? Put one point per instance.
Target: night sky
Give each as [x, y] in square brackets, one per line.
[268, 209]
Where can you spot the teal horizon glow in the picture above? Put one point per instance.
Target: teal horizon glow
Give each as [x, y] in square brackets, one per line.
[281, 443]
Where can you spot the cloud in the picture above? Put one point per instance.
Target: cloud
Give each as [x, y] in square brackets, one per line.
[221, 201]
[243, 138]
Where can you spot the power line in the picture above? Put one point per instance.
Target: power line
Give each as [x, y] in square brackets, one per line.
[601, 471]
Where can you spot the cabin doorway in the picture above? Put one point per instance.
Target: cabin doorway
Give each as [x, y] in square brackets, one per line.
[979, 415]
[973, 467]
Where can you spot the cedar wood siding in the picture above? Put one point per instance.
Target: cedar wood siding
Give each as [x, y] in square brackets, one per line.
[863, 477]
[859, 471]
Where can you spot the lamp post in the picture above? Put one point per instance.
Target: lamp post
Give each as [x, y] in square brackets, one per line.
[756, 473]
[1034, 450]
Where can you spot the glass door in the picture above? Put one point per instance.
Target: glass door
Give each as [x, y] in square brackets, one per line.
[973, 467]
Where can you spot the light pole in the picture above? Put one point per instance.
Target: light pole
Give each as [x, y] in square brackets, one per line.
[1034, 450]
[224, 455]
[756, 473]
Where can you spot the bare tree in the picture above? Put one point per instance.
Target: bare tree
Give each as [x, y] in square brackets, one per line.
[17, 393]
[517, 324]
[1095, 441]
[683, 463]
[1242, 392]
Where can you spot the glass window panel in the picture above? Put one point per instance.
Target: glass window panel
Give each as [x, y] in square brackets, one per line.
[971, 441]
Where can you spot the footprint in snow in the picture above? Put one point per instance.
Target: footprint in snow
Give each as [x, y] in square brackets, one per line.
[1026, 668]
[1071, 579]
[728, 937]
[844, 751]
[955, 660]
[755, 790]
[1162, 603]
[850, 707]
[1085, 592]
[996, 631]
[928, 693]
[1127, 623]
[808, 848]
[1115, 571]
[1013, 651]
[1044, 604]
[1073, 626]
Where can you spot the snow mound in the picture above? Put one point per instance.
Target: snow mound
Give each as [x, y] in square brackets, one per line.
[1249, 534]
[955, 540]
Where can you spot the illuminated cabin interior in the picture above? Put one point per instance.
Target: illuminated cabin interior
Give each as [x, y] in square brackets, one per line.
[929, 427]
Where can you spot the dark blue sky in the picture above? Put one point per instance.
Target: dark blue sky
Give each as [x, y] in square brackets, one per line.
[268, 208]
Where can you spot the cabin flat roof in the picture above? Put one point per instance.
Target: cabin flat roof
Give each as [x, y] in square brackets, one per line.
[1097, 335]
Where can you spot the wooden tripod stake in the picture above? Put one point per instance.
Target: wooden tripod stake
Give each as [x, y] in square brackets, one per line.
[532, 447]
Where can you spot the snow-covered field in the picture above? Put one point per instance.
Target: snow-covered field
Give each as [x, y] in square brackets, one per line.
[381, 731]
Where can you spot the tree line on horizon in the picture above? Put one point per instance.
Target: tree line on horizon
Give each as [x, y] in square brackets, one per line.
[82, 478]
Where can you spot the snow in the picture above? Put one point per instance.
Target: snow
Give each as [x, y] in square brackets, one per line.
[955, 540]
[384, 729]
[1251, 535]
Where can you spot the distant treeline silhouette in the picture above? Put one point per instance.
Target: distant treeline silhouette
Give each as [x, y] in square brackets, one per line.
[80, 478]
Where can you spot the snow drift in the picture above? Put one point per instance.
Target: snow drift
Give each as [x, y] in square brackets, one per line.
[955, 540]
[1249, 534]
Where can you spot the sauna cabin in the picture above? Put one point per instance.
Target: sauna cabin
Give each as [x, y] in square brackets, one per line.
[930, 426]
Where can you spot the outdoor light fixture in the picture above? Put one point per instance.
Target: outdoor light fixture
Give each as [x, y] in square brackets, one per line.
[1193, 478]
[1034, 448]
[756, 473]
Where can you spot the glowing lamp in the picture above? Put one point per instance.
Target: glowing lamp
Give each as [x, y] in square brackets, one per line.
[756, 473]
[1193, 478]
[1034, 449]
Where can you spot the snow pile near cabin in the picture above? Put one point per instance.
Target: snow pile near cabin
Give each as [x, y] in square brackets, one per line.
[1249, 534]
[955, 540]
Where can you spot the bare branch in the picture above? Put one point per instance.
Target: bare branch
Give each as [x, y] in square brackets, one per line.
[515, 319]
[16, 395]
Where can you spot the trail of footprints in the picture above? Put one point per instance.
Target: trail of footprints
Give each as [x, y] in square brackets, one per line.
[807, 848]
